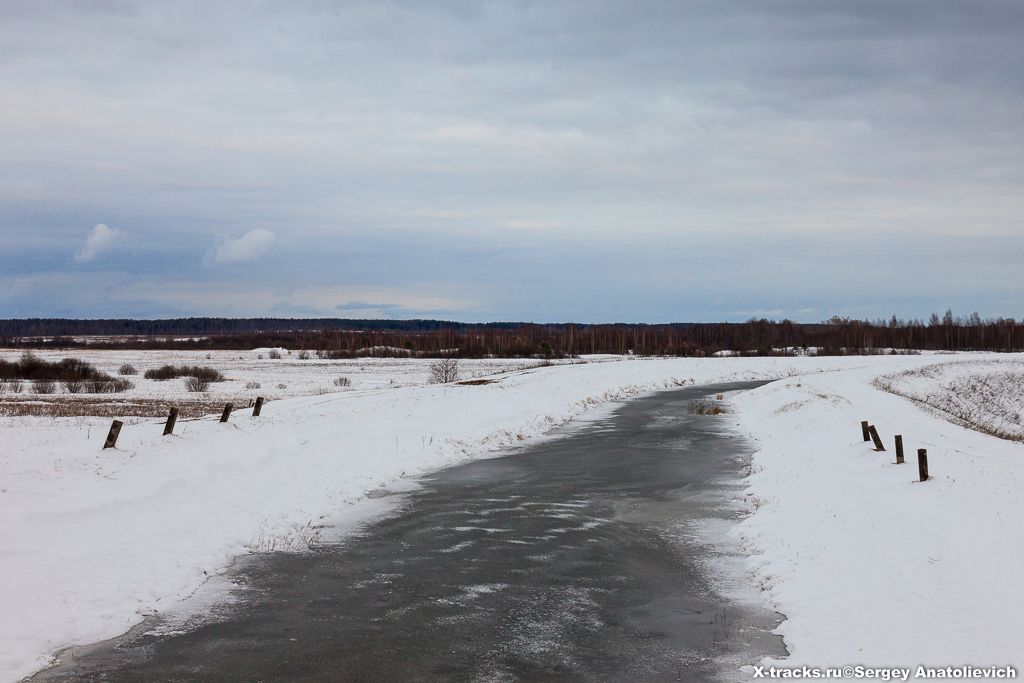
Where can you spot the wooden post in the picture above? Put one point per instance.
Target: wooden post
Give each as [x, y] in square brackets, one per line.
[877, 439]
[258, 407]
[899, 449]
[227, 412]
[115, 431]
[864, 430]
[172, 417]
[922, 463]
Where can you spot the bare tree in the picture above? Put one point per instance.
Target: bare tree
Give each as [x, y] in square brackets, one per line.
[444, 371]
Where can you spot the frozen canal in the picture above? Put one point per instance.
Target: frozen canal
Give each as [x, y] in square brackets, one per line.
[579, 558]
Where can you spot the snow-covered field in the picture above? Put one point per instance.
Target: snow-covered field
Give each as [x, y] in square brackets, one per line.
[983, 395]
[868, 566]
[248, 374]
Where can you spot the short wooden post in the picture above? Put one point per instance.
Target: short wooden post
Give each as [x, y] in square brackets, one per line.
[877, 439]
[922, 463]
[864, 430]
[899, 449]
[258, 407]
[172, 417]
[227, 412]
[115, 431]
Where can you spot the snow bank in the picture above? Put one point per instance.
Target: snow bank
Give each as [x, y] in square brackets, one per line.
[983, 395]
[870, 566]
[93, 540]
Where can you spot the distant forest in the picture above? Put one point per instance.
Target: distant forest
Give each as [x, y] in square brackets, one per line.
[340, 338]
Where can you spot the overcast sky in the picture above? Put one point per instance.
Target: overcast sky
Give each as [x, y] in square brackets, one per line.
[588, 161]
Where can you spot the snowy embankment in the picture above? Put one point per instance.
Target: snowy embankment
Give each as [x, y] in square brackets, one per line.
[984, 395]
[871, 566]
[93, 541]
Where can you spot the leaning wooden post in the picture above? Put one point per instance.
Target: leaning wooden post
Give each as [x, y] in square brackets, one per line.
[115, 431]
[864, 430]
[227, 412]
[922, 463]
[258, 407]
[172, 418]
[877, 439]
[899, 449]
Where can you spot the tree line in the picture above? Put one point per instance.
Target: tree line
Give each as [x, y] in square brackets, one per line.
[336, 338]
[67, 327]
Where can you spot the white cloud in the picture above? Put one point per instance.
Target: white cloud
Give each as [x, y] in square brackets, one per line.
[248, 247]
[101, 239]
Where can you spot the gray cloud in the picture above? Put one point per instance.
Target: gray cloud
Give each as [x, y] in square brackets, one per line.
[512, 141]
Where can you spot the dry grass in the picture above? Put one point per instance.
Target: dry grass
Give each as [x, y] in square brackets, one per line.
[67, 406]
[706, 408]
[984, 396]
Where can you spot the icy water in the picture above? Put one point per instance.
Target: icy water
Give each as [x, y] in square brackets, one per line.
[577, 559]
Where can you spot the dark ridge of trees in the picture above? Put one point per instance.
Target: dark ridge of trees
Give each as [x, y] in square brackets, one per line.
[432, 338]
[60, 327]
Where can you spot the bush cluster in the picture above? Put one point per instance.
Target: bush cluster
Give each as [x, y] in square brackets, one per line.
[171, 372]
[43, 377]
[94, 386]
[32, 367]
